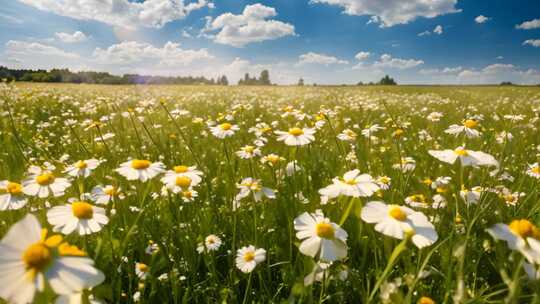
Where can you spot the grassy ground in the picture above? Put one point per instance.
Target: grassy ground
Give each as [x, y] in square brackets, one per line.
[170, 124]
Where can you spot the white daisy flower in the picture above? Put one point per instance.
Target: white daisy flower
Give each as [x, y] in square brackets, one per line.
[520, 235]
[182, 178]
[468, 127]
[247, 152]
[253, 186]
[407, 164]
[272, 159]
[296, 136]
[212, 242]
[77, 216]
[42, 183]
[466, 157]
[351, 184]
[77, 298]
[471, 196]
[370, 131]
[400, 221]
[142, 270]
[224, 130]
[11, 196]
[103, 195]
[82, 168]
[320, 237]
[248, 257]
[140, 169]
[347, 135]
[30, 260]
[533, 170]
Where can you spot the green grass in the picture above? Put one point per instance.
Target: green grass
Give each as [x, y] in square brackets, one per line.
[465, 265]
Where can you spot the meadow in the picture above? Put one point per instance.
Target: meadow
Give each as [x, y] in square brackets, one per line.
[205, 194]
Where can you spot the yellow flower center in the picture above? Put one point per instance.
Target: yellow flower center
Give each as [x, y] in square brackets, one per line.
[14, 188]
[140, 164]
[183, 181]
[426, 300]
[524, 228]
[187, 194]
[470, 123]
[45, 179]
[248, 149]
[225, 126]
[249, 256]
[37, 256]
[461, 152]
[82, 210]
[397, 213]
[535, 170]
[181, 169]
[66, 249]
[351, 182]
[325, 230]
[296, 131]
[81, 164]
[419, 198]
[272, 158]
[110, 191]
[142, 267]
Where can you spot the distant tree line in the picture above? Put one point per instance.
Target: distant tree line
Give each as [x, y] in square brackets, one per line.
[386, 80]
[65, 75]
[264, 79]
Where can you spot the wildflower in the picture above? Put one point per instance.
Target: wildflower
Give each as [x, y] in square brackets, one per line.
[369, 131]
[319, 272]
[82, 168]
[142, 270]
[42, 182]
[468, 127]
[471, 196]
[292, 167]
[320, 237]
[224, 130]
[296, 136]
[30, 258]
[407, 164]
[425, 300]
[466, 157]
[399, 221]
[247, 152]
[211, 243]
[520, 235]
[253, 186]
[533, 170]
[140, 169]
[104, 195]
[272, 159]
[351, 184]
[384, 182]
[77, 216]
[182, 178]
[435, 116]
[347, 135]
[248, 257]
[11, 196]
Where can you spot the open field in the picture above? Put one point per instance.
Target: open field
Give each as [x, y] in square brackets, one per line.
[165, 188]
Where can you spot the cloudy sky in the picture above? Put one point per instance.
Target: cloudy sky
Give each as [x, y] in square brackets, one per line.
[323, 41]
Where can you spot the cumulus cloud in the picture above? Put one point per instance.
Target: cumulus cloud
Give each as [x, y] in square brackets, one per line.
[253, 25]
[481, 19]
[362, 56]
[444, 71]
[315, 58]
[387, 61]
[496, 73]
[123, 13]
[424, 33]
[438, 30]
[75, 37]
[392, 12]
[23, 48]
[133, 52]
[532, 42]
[529, 25]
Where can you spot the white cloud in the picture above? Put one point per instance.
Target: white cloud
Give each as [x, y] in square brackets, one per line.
[391, 12]
[77, 36]
[445, 71]
[315, 58]
[496, 73]
[438, 30]
[250, 26]
[481, 19]
[132, 52]
[532, 42]
[362, 56]
[424, 33]
[22, 48]
[10, 18]
[124, 13]
[529, 25]
[386, 61]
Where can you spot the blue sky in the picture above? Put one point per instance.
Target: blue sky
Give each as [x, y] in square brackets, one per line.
[323, 41]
